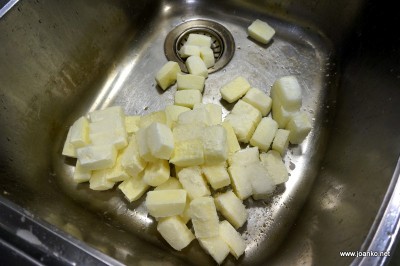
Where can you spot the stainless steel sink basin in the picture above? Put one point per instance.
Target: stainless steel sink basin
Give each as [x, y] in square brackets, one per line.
[59, 60]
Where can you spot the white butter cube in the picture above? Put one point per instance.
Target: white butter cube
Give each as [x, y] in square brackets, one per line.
[235, 89]
[215, 145]
[166, 76]
[81, 175]
[233, 143]
[156, 172]
[299, 127]
[190, 82]
[232, 238]
[264, 134]
[207, 55]
[198, 116]
[134, 187]
[214, 110]
[131, 161]
[199, 40]
[171, 183]
[241, 107]
[97, 157]
[164, 203]
[187, 98]
[80, 133]
[113, 174]
[242, 125]
[160, 141]
[193, 182]
[276, 169]
[232, 208]
[108, 113]
[132, 123]
[216, 247]
[196, 66]
[107, 125]
[240, 181]
[118, 138]
[216, 175]
[280, 114]
[188, 50]
[98, 181]
[143, 148]
[287, 89]
[204, 217]
[175, 232]
[188, 153]
[172, 113]
[259, 100]
[260, 31]
[281, 141]
[245, 157]
[262, 184]
[190, 131]
[153, 117]
[69, 149]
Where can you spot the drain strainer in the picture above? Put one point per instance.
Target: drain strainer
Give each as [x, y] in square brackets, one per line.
[223, 44]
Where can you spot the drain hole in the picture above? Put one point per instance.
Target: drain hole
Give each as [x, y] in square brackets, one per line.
[223, 44]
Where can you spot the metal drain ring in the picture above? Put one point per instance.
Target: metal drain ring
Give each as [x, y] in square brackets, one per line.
[223, 44]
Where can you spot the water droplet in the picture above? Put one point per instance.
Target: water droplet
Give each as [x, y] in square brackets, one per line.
[292, 166]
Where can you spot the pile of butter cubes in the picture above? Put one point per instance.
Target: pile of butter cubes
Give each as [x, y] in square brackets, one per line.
[187, 159]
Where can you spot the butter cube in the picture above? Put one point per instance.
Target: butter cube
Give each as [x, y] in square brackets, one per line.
[207, 55]
[196, 66]
[160, 141]
[233, 143]
[214, 144]
[80, 174]
[190, 82]
[216, 247]
[204, 217]
[216, 175]
[69, 149]
[117, 137]
[188, 153]
[262, 184]
[131, 161]
[108, 113]
[235, 89]
[185, 216]
[198, 116]
[188, 50]
[232, 208]
[214, 110]
[79, 133]
[132, 123]
[240, 181]
[259, 100]
[193, 182]
[134, 187]
[241, 107]
[242, 126]
[232, 238]
[187, 98]
[153, 117]
[245, 157]
[156, 172]
[166, 76]
[260, 31]
[287, 89]
[276, 169]
[281, 141]
[175, 232]
[97, 157]
[190, 131]
[143, 148]
[264, 134]
[113, 174]
[199, 40]
[98, 181]
[172, 113]
[171, 183]
[164, 203]
[280, 114]
[299, 127]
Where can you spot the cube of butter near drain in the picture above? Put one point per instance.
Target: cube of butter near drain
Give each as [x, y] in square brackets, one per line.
[166, 76]
[196, 66]
[190, 82]
[235, 89]
[260, 31]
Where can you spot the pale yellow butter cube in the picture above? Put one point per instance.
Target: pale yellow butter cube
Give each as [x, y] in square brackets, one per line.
[216, 175]
[132, 123]
[97, 157]
[193, 182]
[262, 183]
[81, 175]
[134, 187]
[190, 82]
[215, 145]
[235, 89]
[131, 161]
[185, 216]
[241, 107]
[198, 116]
[187, 98]
[207, 55]
[113, 112]
[156, 172]
[175, 232]
[233, 143]
[259, 100]
[164, 203]
[160, 141]
[264, 134]
[98, 181]
[166, 76]
[171, 183]
[188, 50]
[242, 125]
[232, 238]
[276, 169]
[216, 247]
[199, 40]
[113, 174]
[204, 217]
[80, 133]
[196, 66]
[232, 208]
[299, 127]
[188, 153]
[280, 114]
[172, 113]
[143, 148]
[69, 149]
[214, 110]
[288, 91]
[261, 31]
[281, 141]
[117, 137]
[153, 117]
[240, 181]
[190, 131]
[245, 157]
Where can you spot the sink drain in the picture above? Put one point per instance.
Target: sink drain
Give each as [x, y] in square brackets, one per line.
[223, 44]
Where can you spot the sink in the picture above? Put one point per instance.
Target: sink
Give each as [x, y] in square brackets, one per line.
[59, 61]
